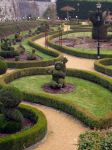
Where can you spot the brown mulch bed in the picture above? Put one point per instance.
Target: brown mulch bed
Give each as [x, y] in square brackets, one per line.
[67, 89]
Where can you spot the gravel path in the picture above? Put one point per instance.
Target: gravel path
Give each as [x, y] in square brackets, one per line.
[63, 130]
[73, 62]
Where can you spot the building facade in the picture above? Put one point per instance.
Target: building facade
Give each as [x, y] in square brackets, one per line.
[18, 9]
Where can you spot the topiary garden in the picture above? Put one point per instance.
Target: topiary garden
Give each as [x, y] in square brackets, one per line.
[43, 78]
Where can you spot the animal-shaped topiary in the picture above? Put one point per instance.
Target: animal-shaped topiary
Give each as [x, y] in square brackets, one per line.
[10, 97]
[58, 74]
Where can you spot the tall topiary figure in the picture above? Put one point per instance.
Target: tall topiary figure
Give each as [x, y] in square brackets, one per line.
[99, 29]
[58, 75]
[12, 118]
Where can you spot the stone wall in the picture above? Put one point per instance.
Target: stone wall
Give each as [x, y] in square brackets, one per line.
[17, 9]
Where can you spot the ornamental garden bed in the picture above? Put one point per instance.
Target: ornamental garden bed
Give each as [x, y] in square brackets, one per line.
[78, 39]
[44, 57]
[84, 103]
[87, 95]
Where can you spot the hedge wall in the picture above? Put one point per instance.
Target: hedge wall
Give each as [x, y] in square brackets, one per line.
[43, 63]
[28, 137]
[60, 103]
[102, 66]
[72, 51]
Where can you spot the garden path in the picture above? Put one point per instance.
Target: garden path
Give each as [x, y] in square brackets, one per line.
[73, 62]
[63, 130]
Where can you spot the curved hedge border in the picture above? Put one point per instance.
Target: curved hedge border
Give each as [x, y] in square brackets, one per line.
[72, 51]
[28, 137]
[60, 103]
[43, 63]
[102, 66]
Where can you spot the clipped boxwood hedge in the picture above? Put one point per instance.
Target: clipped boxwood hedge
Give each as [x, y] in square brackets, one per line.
[72, 51]
[28, 137]
[26, 64]
[60, 103]
[102, 65]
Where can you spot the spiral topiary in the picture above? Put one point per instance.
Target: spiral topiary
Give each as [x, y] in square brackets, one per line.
[10, 97]
[3, 67]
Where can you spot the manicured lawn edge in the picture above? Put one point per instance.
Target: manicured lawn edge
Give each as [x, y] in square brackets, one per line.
[72, 51]
[28, 137]
[26, 64]
[60, 103]
[102, 66]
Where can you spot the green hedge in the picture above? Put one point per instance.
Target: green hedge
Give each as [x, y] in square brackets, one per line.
[28, 137]
[102, 66]
[72, 51]
[43, 63]
[60, 103]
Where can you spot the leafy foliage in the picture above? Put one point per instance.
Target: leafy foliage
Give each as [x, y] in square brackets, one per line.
[10, 98]
[3, 67]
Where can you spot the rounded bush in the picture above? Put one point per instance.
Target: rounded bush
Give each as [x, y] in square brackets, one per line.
[3, 67]
[10, 97]
[29, 136]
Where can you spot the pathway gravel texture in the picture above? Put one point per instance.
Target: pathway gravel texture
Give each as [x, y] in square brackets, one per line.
[73, 62]
[63, 130]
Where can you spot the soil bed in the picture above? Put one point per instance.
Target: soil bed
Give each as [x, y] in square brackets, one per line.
[67, 89]
[85, 42]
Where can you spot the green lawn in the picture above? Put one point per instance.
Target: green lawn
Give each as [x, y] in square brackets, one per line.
[88, 95]
[39, 53]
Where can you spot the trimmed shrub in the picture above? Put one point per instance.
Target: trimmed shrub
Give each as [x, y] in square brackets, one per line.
[27, 137]
[32, 56]
[10, 97]
[102, 66]
[3, 67]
